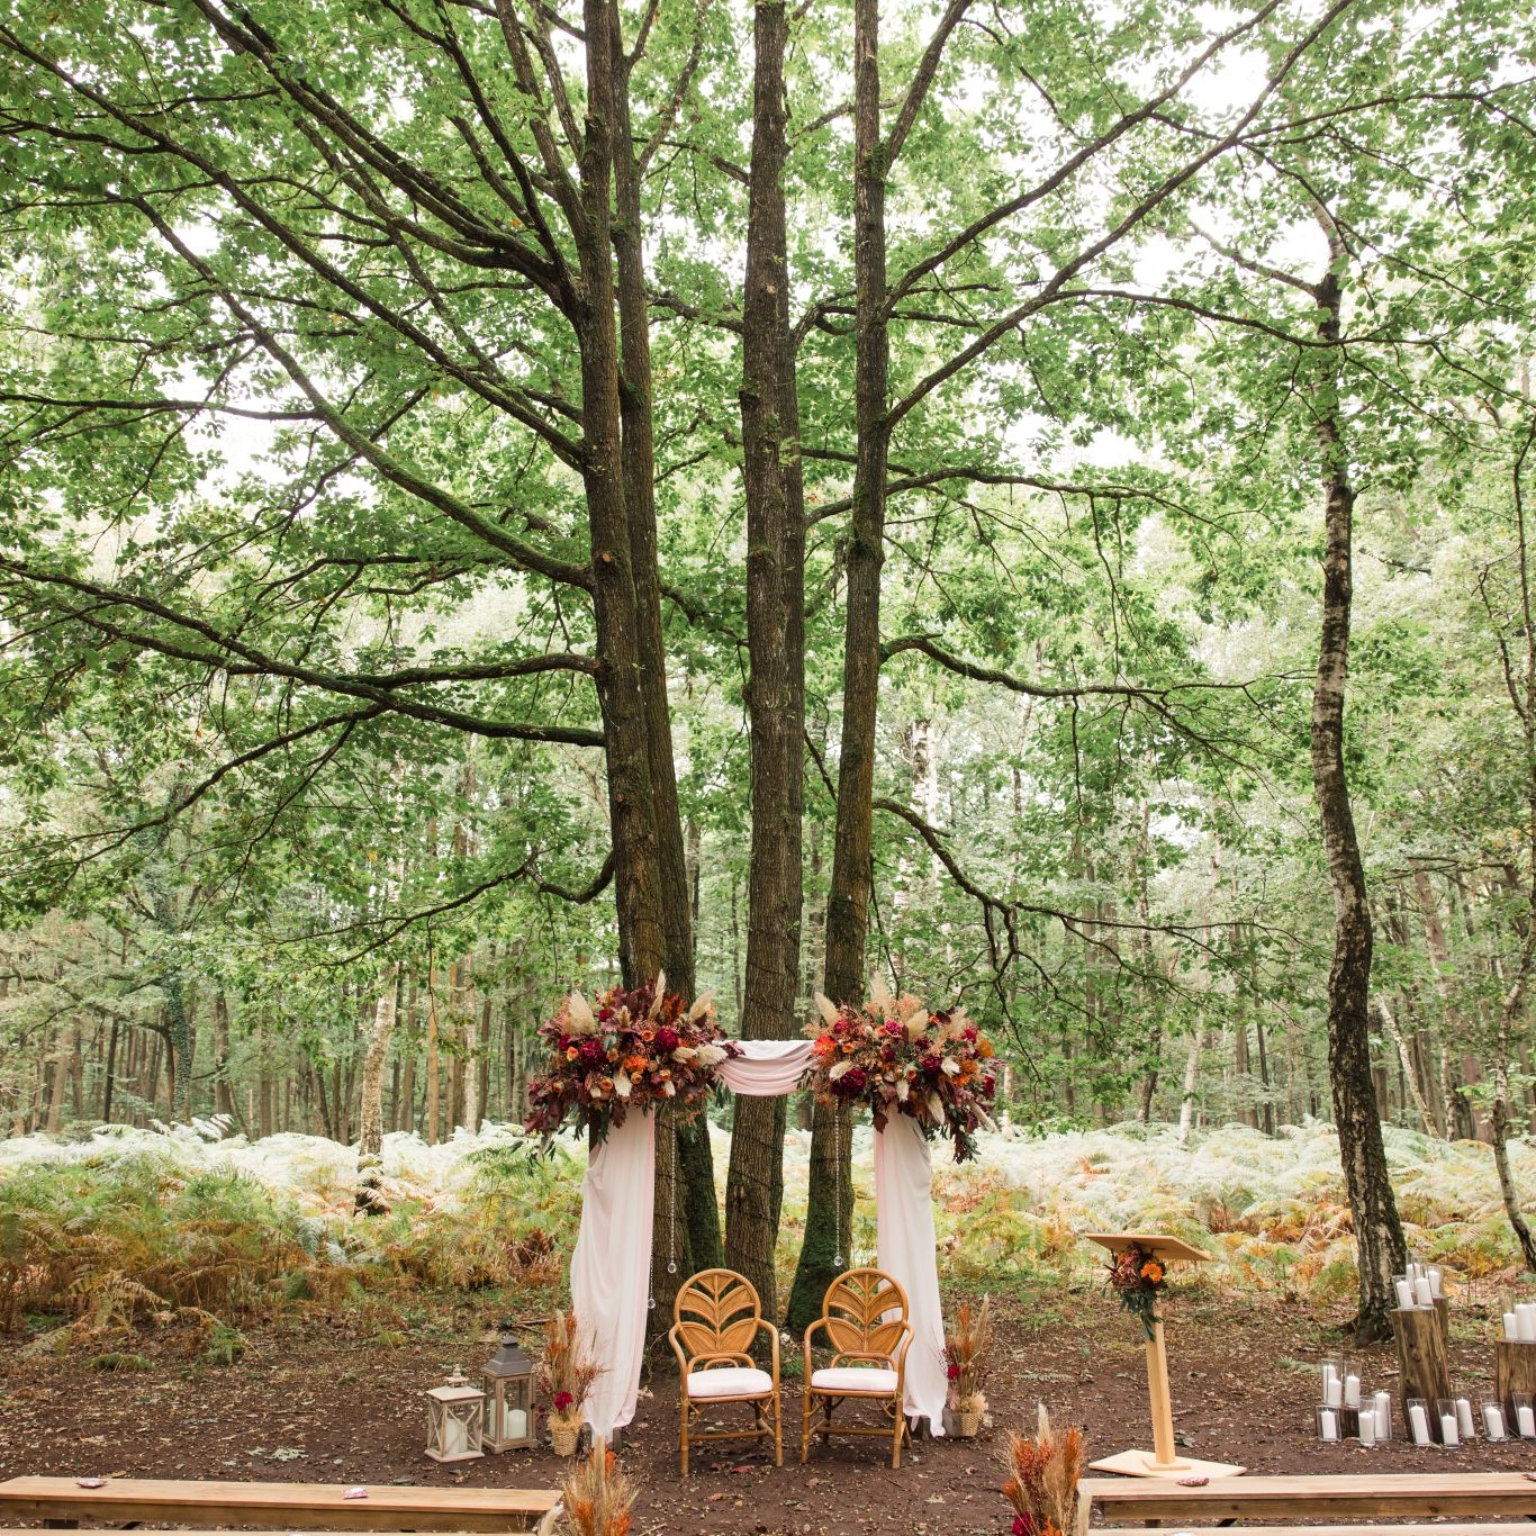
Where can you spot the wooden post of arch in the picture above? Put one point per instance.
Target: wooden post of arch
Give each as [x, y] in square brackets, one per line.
[1163, 1460]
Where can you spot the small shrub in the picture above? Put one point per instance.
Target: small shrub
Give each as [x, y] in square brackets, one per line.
[119, 1360]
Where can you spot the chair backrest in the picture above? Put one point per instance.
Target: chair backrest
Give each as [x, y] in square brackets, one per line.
[864, 1312]
[717, 1313]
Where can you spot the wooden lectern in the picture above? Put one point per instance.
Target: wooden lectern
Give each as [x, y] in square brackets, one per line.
[1163, 1460]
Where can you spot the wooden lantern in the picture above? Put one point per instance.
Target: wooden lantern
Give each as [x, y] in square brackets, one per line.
[1163, 1460]
[455, 1420]
[508, 1376]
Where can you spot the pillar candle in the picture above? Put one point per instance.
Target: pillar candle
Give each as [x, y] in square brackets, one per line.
[1526, 1418]
[517, 1423]
[1328, 1424]
[455, 1440]
[1419, 1422]
[1405, 1295]
[1464, 1418]
[1493, 1421]
[1448, 1433]
[1434, 1281]
[1511, 1326]
[1368, 1427]
[1333, 1392]
[1351, 1391]
[1422, 1293]
[1383, 1402]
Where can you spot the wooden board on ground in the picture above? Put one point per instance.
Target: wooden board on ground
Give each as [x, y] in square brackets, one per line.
[1361, 1496]
[1144, 1464]
[292, 1506]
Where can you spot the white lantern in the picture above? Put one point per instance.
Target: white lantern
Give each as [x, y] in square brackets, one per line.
[455, 1420]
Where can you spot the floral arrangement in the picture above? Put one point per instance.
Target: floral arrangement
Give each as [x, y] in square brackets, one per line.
[629, 1050]
[966, 1343]
[1138, 1279]
[565, 1373]
[1043, 1473]
[598, 1497]
[895, 1056]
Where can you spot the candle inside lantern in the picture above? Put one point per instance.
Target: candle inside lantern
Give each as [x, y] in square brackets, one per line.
[1434, 1281]
[1511, 1327]
[1367, 1429]
[1351, 1391]
[1333, 1391]
[1328, 1424]
[1464, 1418]
[517, 1424]
[1418, 1421]
[1422, 1293]
[1493, 1421]
[1526, 1419]
[1405, 1295]
[455, 1438]
[1448, 1432]
[1383, 1401]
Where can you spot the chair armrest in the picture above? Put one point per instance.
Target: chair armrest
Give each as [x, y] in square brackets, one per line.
[773, 1338]
[677, 1349]
[810, 1364]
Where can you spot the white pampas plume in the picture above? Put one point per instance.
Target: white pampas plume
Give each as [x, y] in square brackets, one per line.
[902, 1090]
[582, 1020]
[710, 1054]
[917, 1024]
[827, 1007]
[879, 994]
[701, 1006]
[936, 1108]
[622, 1086]
[685, 1053]
[838, 1068]
[668, 1089]
[951, 1067]
[659, 995]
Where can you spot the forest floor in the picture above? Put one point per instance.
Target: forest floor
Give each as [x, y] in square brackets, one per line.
[336, 1397]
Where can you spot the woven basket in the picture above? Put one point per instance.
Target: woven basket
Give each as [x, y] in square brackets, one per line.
[563, 1435]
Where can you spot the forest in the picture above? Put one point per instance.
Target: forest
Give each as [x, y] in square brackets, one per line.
[1026, 500]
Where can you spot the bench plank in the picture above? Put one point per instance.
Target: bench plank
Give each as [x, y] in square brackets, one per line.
[293, 1506]
[1357, 1495]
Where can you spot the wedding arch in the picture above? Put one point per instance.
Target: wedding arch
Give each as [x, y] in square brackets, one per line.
[611, 1264]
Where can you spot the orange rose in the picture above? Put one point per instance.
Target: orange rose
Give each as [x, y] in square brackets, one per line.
[1152, 1271]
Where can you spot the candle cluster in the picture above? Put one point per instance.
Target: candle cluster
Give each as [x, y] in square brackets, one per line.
[1345, 1413]
[1520, 1323]
[1449, 1422]
[1420, 1287]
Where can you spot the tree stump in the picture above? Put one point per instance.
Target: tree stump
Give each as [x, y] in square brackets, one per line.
[1422, 1360]
[1514, 1370]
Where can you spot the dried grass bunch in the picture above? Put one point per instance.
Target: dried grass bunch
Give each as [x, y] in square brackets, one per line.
[1044, 1469]
[967, 1342]
[566, 1371]
[598, 1496]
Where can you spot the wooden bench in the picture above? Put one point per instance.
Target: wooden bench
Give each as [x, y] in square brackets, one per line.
[1380, 1498]
[291, 1506]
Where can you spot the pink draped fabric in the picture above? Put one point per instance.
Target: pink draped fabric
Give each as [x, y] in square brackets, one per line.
[908, 1252]
[766, 1068]
[611, 1267]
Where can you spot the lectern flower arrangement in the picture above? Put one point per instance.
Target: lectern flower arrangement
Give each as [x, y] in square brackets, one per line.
[898, 1058]
[565, 1378]
[630, 1050]
[1138, 1279]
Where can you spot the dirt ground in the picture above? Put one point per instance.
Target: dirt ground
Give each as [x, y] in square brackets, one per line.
[337, 1398]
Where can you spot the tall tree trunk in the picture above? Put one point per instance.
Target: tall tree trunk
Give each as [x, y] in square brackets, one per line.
[1382, 1251]
[223, 1097]
[369, 1196]
[776, 645]
[1191, 1082]
[1410, 1077]
[63, 1053]
[828, 1223]
[433, 1091]
[109, 1082]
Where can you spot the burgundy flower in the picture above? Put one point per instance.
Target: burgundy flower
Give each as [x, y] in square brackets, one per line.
[591, 1054]
[893, 1027]
[932, 1064]
[1022, 1525]
[969, 1032]
[989, 1086]
[852, 1083]
[954, 1372]
[563, 1400]
[666, 1040]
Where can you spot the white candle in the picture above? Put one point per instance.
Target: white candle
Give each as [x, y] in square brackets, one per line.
[1419, 1422]
[1434, 1281]
[1405, 1295]
[1493, 1422]
[1448, 1434]
[1328, 1424]
[1333, 1393]
[1527, 1316]
[1422, 1293]
[1351, 1391]
[1511, 1326]
[517, 1423]
[1368, 1427]
[455, 1440]
[1464, 1418]
[1525, 1417]
[1383, 1415]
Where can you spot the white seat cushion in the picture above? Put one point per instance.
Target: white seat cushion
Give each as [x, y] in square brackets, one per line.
[729, 1381]
[853, 1378]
